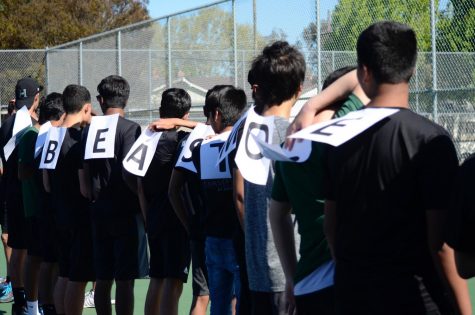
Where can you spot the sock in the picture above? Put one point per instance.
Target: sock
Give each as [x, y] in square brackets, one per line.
[32, 307]
[49, 309]
[19, 296]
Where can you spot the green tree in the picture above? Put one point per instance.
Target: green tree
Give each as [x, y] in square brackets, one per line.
[456, 27]
[39, 23]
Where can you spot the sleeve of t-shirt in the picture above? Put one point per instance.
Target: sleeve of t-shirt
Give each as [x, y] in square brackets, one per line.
[26, 148]
[437, 169]
[130, 136]
[279, 192]
[461, 222]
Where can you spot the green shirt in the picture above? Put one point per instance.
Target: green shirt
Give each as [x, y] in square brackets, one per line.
[301, 184]
[30, 187]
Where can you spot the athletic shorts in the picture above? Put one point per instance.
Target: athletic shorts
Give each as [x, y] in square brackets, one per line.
[33, 237]
[65, 238]
[49, 238]
[170, 254]
[81, 265]
[385, 293]
[17, 227]
[3, 218]
[319, 302]
[199, 270]
[117, 251]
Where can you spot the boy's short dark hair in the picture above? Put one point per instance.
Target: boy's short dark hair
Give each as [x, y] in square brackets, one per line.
[114, 91]
[278, 73]
[335, 75]
[389, 50]
[228, 101]
[51, 108]
[74, 98]
[175, 103]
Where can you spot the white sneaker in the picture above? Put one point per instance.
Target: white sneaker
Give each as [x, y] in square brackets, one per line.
[89, 299]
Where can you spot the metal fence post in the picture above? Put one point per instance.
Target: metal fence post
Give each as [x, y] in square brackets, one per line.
[80, 63]
[119, 53]
[235, 44]
[47, 70]
[169, 59]
[150, 83]
[434, 60]
[319, 48]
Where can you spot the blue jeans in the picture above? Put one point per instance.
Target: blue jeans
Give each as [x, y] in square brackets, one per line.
[223, 274]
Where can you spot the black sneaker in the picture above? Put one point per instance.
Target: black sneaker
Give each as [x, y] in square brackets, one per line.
[19, 309]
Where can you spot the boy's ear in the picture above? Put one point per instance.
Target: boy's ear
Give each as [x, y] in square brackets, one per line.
[186, 116]
[217, 114]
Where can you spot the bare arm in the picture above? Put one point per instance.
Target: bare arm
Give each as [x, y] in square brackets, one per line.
[330, 224]
[175, 189]
[444, 261]
[142, 199]
[457, 284]
[170, 123]
[238, 194]
[46, 182]
[283, 233]
[338, 90]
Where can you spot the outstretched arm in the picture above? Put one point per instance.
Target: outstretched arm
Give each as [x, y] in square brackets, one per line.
[338, 90]
[171, 123]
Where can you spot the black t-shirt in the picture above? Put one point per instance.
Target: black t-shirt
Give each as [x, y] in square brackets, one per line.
[70, 206]
[461, 227]
[220, 213]
[193, 191]
[161, 217]
[383, 181]
[113, 198]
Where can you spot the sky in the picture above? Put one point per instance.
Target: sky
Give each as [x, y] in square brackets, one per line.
[290, 16]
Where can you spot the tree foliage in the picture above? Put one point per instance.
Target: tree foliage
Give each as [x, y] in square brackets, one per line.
[40, 23]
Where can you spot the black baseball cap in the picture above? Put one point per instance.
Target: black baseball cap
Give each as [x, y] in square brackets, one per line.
[25, 91]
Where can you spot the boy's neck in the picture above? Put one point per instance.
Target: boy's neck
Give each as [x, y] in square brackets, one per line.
[282, 110]
[72, 120]
[391, 95]
[113, 110]
[228, 128]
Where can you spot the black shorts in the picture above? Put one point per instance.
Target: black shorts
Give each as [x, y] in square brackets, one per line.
[377, 293]
[49, 237]
[118, 253]
[17, 227]
[81, 264]
[3, 218]
[170, 254]
[33, 237]
[319, 302]
[65, 238]
[198, 266]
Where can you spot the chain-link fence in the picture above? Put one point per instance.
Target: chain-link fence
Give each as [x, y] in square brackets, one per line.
[215, 44]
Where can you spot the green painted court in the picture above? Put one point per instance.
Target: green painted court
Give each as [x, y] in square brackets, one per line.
[141, 291]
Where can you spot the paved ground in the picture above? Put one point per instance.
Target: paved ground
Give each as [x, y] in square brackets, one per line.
[141, 290]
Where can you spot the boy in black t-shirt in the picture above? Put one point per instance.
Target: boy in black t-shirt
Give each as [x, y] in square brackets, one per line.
[27, 93]
[382, 220]
[223, 106]
[41, 237]
[115, 207]
[71, 208]
[168, 240]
